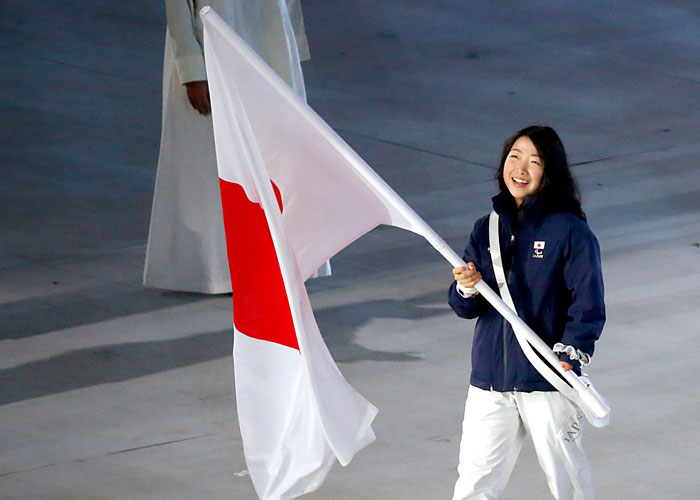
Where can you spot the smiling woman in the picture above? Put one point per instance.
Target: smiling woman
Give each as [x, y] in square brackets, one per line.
[552, 263]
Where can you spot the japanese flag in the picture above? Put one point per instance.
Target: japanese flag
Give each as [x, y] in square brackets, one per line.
[293, 194]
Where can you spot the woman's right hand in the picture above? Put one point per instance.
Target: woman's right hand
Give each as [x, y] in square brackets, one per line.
[467, 276]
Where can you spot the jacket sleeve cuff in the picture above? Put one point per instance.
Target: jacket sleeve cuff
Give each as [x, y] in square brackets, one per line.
[465, 292]
[569, 354]
[190, 69]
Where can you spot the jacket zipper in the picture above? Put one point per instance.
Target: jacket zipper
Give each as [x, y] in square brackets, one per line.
[505, 323]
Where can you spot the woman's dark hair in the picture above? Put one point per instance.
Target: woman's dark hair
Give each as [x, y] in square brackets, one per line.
[558, 182]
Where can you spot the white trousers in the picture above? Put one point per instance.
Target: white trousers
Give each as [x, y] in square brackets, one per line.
[495, 425]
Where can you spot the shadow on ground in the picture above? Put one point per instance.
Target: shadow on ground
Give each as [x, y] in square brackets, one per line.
[111, 363]
[45, 314]
[339, 326]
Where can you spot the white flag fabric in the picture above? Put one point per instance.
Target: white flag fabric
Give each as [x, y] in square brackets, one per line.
[293, 194]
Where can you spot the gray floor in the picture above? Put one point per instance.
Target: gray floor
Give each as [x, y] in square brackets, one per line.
[113, 391]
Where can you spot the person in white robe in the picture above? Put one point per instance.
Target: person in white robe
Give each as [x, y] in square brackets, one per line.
[186, 243]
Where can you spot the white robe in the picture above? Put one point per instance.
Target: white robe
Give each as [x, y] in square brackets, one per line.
[186, 243]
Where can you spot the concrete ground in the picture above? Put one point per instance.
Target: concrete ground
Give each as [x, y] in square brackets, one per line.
[112, 391]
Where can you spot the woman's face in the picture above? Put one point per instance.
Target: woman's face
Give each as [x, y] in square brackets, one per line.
[523, 169]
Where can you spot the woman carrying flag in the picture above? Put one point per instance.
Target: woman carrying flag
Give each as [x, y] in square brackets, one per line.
[551, 263]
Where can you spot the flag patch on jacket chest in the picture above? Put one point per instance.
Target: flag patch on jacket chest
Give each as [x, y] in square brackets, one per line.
[539, 250]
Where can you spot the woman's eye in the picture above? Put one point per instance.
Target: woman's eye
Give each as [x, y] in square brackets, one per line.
[536, 162]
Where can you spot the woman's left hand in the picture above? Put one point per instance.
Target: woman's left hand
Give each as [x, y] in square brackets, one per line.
[566, 366]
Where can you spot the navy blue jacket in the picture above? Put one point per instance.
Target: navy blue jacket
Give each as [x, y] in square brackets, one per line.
[557, 290]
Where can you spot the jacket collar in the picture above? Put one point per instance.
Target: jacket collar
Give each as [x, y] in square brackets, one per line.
[532, 207]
